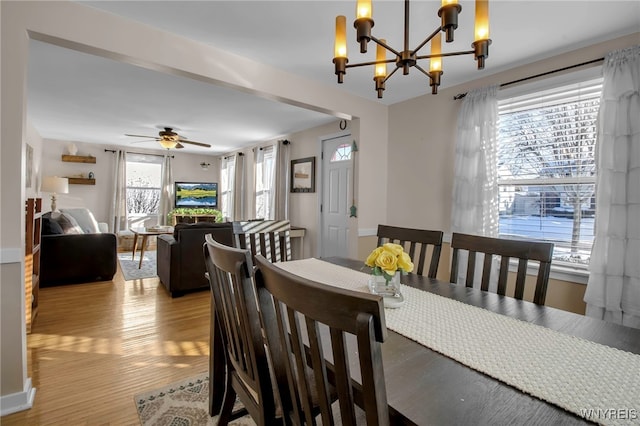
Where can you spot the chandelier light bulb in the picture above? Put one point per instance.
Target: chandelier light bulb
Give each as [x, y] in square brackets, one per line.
[363, 9]
[381, 56]
[482, 20]
[340, 47]
[435, 63]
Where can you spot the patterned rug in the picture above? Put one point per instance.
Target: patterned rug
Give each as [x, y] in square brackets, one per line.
[182, 403]
[130, 267]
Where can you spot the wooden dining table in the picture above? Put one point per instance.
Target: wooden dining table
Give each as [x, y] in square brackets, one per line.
[425, 387]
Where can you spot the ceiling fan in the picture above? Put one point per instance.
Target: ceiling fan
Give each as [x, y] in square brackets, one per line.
[170, 139]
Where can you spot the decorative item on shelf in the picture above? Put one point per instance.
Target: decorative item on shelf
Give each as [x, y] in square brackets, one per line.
[406, 58]
[387, 263]
[72, 149]
[55, 185]
[91, 175]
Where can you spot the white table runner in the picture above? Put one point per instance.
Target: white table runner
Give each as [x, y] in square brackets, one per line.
[593, 381]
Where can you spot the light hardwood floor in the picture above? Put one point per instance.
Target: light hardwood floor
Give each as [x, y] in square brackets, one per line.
[94, 346]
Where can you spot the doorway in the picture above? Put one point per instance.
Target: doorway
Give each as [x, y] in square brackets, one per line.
[337, 175]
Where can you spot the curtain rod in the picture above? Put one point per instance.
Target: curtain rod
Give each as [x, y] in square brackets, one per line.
[593, 61]
[139, 153]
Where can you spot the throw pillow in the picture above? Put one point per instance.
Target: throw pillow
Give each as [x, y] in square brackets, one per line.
[68, 224]
[50, 226]
[84, 218]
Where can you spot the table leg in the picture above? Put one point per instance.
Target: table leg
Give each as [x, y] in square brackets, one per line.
[135, 246]
[144, 242]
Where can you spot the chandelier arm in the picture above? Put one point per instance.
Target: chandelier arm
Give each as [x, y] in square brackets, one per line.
[422, 70]
[362, 64]
[390, 74]
[427, 40]
[386, 46]
[465, 52]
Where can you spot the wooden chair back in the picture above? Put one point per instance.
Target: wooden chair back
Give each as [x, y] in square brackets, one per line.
[416, 243]
[295, 312]
[524, 251]
[230, 273]
[270, 238]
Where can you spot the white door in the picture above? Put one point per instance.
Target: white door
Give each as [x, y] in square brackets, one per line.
[337, 172]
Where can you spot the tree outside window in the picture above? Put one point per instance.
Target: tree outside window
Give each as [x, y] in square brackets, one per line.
[143, 186]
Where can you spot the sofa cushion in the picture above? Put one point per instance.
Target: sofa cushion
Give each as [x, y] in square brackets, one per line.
[85, 219]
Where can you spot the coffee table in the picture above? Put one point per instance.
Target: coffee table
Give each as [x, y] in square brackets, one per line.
[144, 233]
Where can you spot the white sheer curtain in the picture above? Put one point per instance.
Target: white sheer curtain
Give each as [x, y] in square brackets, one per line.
[475, 188]
[227, 186]
[118, 219]
[166, 191]
[264, 182]
[239, 212]
[281, 181]
[613, 290]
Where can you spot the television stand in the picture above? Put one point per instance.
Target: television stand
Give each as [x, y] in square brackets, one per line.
[193, 218]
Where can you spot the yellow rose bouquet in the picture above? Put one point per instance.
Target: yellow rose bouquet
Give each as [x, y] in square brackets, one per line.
[387, 259]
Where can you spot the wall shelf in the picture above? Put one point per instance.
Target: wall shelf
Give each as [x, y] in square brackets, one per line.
[78, 159]
[81, 181]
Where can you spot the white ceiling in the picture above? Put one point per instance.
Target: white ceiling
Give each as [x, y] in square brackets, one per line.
[79, 97]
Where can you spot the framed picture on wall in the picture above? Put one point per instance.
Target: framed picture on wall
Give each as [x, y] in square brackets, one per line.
[303, 175]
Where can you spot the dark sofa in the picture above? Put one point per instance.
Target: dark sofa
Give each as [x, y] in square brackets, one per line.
[76, 257]
[180, 257]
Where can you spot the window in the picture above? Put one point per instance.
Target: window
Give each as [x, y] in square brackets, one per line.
[342, 153]
[227, 183]
[546, 168]
[144, 182]
[265, 166]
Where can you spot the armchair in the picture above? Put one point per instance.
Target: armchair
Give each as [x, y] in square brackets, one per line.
[180, 262]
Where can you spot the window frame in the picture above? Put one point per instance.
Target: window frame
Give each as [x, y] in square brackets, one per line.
[565, 271]
[143, 159]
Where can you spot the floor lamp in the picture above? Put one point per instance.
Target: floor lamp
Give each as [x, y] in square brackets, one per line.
[55, 185]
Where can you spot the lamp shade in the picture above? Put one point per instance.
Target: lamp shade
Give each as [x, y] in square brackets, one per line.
[55, 184]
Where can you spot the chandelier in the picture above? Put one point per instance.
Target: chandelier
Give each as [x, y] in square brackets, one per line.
[408, 58]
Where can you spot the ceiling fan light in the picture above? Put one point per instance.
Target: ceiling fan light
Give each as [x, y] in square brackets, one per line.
[168, 144]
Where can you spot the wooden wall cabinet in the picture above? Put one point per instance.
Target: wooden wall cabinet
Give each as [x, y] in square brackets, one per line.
[33, 229]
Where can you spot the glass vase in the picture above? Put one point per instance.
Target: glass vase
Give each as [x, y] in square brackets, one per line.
[389, 290]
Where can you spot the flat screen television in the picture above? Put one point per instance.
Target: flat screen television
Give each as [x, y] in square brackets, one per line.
[196, 194]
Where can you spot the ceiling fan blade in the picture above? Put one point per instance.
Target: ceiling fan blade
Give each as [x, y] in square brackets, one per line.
[143, 136]
[145, 140]
[206, 145]
[179, 146]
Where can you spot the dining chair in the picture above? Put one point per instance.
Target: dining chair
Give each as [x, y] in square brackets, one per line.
[506, 249]
[230, 272]
[418, 241]
[270, 238]
[303, 321]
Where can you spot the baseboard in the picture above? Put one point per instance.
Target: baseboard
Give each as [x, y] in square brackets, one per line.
[19, 401]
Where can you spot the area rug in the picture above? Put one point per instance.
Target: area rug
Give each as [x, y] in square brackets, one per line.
[183, 403]
[130, 267]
